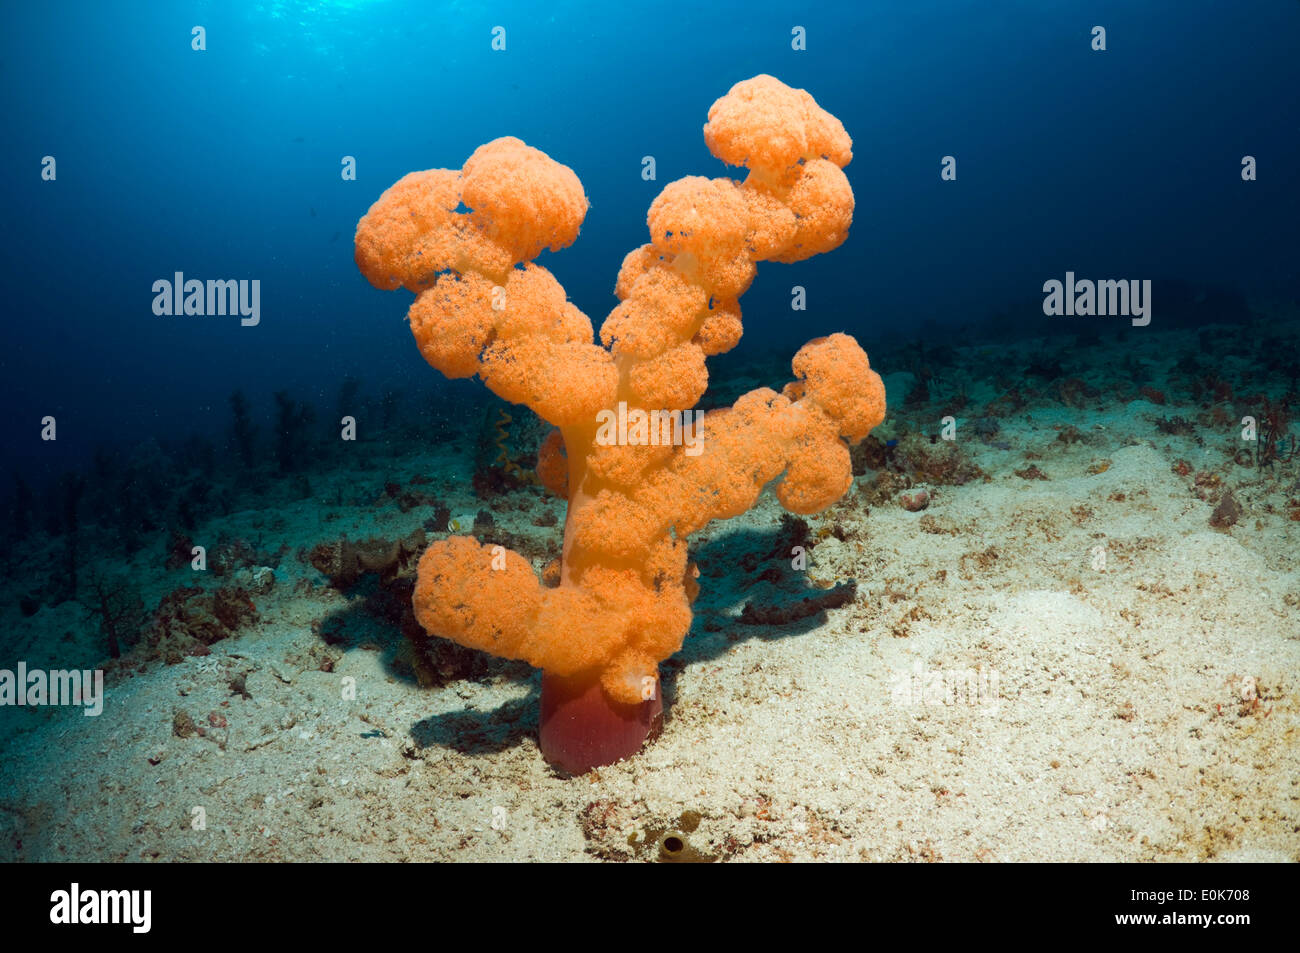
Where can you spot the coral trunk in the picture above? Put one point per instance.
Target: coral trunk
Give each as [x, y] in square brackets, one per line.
[581, 728]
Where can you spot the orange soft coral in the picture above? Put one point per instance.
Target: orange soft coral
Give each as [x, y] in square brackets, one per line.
[464, 242]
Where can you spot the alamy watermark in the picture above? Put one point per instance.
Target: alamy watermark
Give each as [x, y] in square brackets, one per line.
[651, 428]
[129, 907]
[37, 687]
[1103, 298]
[212, 297]
[945, 687]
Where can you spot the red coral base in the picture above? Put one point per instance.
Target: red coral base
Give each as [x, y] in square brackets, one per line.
[582, 729]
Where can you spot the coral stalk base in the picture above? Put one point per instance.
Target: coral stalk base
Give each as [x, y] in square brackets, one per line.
[582, 729]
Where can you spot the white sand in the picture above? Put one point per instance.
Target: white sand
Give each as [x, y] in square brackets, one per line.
[1120, 729]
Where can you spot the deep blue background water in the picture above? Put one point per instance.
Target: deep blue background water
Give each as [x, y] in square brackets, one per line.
[225, 164]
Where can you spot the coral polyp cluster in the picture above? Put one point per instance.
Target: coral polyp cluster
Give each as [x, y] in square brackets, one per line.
[464, 242]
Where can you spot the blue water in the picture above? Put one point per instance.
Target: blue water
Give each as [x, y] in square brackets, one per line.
[225, 163]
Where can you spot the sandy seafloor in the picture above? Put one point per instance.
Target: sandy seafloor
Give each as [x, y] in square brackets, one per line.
[1123, 728]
